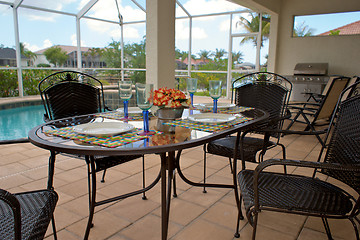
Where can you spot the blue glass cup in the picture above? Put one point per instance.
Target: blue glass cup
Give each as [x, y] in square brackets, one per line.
[215, 92]
[125, 93]
[144, 100]
[191, 86]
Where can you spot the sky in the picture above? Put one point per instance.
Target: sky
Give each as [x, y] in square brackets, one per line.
[39, 30]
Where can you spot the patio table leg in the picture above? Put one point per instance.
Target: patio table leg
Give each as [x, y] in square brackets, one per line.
[167, 164]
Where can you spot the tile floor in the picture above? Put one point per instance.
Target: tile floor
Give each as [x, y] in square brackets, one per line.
[194, 215]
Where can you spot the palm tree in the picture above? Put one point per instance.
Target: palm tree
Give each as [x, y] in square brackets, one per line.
[237, 57]
[302, 30]
[204, 54]
[219, 53]
[27, 53]
[252, 25]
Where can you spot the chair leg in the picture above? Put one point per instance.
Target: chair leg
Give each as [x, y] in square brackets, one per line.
[103, 176]
[230, 164]
[239, 217]
[53, 226]
[204, 189]
[284, 154]
[174, 183]
[255, 220]
[355, 228]
[143, 170]
[327, 227]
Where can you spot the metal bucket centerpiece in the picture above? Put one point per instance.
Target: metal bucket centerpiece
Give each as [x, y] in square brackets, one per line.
[171, 103]
[165, 115]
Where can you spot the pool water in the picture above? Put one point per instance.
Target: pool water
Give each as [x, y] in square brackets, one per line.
[15, 123]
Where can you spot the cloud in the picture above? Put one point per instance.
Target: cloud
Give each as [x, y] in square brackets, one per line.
[107, 10]
[47, 43]
[197, 7]
[182, 31]
[74, 41]
[224, 26]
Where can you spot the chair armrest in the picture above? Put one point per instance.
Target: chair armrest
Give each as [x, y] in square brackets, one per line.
[14, 204]
[308, 164]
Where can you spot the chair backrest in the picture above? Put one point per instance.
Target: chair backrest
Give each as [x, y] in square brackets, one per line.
[264, 90]
[70, 93]
[328, 104]
[344, 145]
[351, 82]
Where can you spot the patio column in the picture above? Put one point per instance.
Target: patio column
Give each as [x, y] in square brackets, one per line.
[160, 43]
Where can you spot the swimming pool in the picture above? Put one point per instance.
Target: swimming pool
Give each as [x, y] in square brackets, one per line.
[15, 123]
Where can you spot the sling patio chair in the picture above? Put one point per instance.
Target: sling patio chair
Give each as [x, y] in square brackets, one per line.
[312, 114]
[70, 93]
[261, 90]
[335, 197]
[27, 215]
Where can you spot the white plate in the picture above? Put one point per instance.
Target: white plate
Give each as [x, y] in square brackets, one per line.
[131, 110]
[103, 128]
[211, 118]
[219, 105]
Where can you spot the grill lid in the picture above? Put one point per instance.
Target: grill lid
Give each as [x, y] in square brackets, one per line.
[311, 69]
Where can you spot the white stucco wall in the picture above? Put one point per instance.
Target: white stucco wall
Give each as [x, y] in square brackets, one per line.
[341, 52]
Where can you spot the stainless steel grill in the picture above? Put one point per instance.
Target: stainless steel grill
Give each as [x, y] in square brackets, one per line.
[308, 77]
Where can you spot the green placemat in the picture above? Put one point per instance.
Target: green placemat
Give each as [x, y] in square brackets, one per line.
[207, 127]
[105, 141]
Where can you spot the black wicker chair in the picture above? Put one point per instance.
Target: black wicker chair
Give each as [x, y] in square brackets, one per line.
[70, 93]
[297, 194]
[318, 112]
[263, 90]
[26, 215]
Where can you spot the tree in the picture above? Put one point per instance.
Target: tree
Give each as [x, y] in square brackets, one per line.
[27, 53]
[134, 55]
[219, 53]
[302, 30]
[180, 54]
[252, 25]
[56, 56]
[204, 54]
[237, 57]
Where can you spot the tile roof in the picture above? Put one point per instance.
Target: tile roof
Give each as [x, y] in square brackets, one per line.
[67, 49]
[349, 29]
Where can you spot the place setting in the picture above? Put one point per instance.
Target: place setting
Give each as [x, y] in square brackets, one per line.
[214, 120]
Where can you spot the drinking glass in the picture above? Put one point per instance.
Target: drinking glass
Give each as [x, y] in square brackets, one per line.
[191, 86]
[144, 99]
[125, 92]
[215, 92]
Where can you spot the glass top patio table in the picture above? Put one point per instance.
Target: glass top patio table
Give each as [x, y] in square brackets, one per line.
[183, 137]
[163, 143]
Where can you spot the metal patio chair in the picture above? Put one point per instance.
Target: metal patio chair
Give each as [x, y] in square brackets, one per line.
[70, 93]
[313, 114]
[263, 190]
[26, 215]
[262, 90]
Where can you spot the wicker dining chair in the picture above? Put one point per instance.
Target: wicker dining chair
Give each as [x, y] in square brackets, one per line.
[262, 90]
[26, 215]
[263, 189]
[70, 93]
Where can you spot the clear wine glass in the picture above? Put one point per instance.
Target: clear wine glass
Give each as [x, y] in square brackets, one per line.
[191, 86]
[144, 99]
[125, 92]
[215, 92]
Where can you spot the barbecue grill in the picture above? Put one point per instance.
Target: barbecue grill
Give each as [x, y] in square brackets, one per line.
[308, 77]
